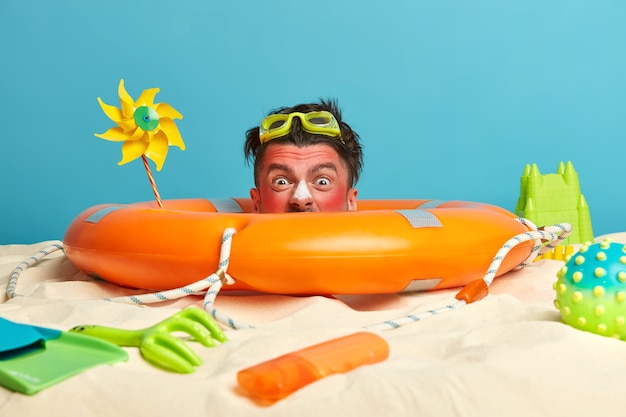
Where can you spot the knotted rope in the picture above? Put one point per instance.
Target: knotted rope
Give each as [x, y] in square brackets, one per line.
[546, 239]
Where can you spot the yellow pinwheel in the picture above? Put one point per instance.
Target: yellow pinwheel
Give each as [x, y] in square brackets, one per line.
[145, 128]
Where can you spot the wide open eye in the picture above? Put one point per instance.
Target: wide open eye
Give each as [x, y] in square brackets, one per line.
[322, 182]
[280, 183]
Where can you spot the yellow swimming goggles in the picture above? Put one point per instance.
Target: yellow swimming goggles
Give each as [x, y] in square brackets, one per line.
[316, 122]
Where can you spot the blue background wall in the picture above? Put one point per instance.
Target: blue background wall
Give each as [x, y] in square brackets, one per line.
[451, 98]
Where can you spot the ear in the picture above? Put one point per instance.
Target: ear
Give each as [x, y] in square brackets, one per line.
[256, 200]
[352, 194]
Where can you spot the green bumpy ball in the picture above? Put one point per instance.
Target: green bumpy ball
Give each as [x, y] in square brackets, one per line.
[591, 289]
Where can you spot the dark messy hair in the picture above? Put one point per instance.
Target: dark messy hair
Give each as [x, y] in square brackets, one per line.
[349, 148]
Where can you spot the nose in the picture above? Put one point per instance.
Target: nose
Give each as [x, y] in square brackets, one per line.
[301, 199]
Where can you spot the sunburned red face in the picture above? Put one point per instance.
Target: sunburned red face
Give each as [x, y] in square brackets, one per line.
[311, 178]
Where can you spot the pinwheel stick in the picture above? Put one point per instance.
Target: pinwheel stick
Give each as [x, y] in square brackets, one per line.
[152, 182]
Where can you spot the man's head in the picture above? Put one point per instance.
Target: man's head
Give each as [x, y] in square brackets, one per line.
[306, 158]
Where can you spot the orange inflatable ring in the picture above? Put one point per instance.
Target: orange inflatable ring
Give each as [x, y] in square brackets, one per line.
[387, 246]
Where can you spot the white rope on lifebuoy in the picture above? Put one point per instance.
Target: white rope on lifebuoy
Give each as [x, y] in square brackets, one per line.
[212, 284]
[546, 239]
[27, 263]
[552, 235]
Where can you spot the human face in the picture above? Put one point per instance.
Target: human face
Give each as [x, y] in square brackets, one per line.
[309, 178]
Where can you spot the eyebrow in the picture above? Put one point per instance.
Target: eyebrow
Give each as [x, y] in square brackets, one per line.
[279, 167]
[316, 168]
[326, 165]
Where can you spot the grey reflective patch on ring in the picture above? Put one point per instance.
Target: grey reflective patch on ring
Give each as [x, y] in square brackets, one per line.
[420, 218]
[432, 204]
[98, 215]
[422, 285]
[226, 205]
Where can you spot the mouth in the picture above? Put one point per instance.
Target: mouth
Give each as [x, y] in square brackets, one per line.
[301, 209]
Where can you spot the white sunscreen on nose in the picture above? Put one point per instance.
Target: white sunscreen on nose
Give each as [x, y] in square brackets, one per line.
[302, 191]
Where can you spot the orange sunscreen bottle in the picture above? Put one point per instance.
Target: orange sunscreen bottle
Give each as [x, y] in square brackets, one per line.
[280, 377]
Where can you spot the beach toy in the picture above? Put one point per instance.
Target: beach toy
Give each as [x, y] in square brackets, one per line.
[158, 346]
[555, 198]
[145, 128]
[33, 358]
[591, 289]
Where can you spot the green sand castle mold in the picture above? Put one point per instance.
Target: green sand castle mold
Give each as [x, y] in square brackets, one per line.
[555, 198]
